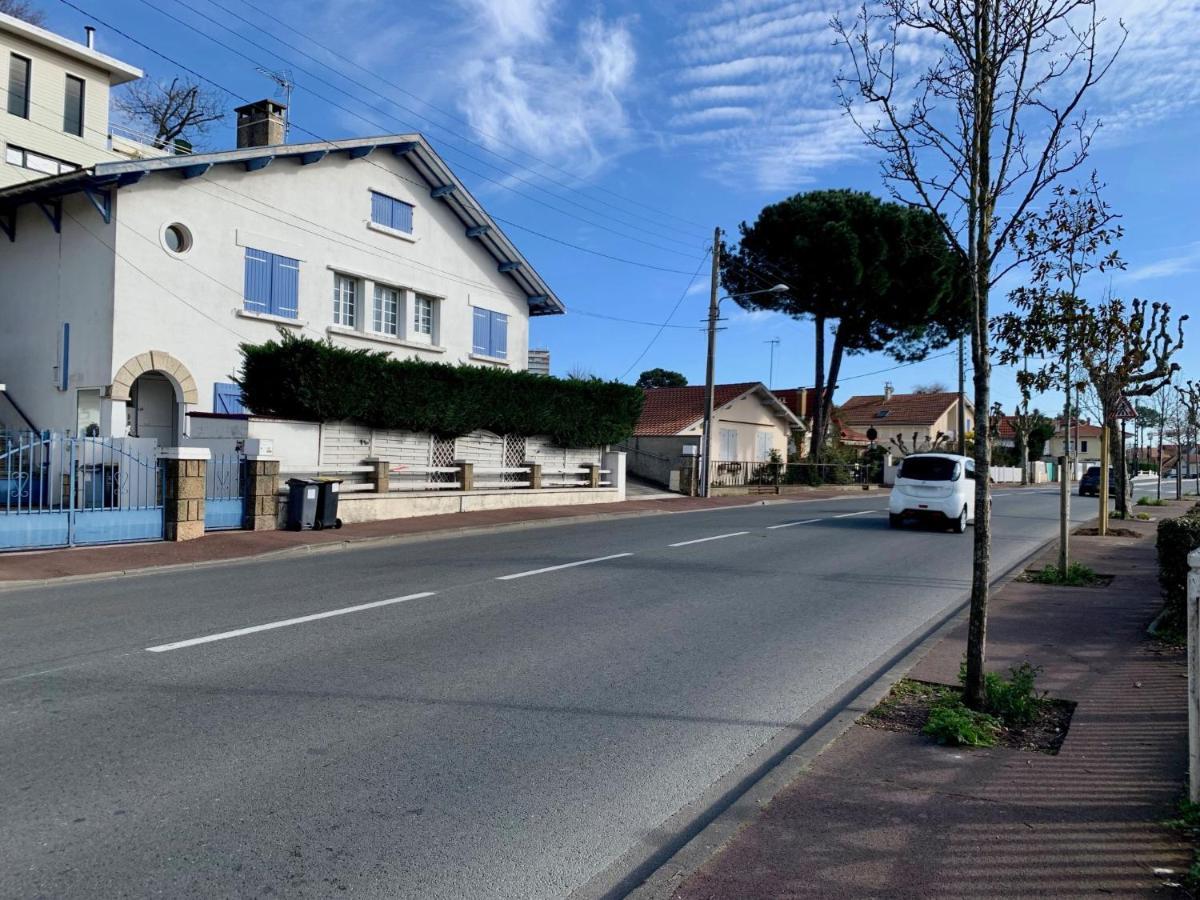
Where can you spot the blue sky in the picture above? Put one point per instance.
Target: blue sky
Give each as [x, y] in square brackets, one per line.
[632, 129]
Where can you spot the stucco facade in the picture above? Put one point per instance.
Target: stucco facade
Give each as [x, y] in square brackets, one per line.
[745, 430]
[51, 59]
[136, 306]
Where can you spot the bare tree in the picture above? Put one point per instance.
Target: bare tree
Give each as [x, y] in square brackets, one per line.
[976, 136]
[926, 444]
[170, 112]
[24, 10]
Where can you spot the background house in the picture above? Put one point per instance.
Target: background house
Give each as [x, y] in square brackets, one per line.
[749, 424]
[892, 415]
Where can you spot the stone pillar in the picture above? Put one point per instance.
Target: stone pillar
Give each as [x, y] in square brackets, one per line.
[379, 475]
[614, 461]
[183, 491]
[466, 475]
[688, 475]
[535, 475]
[593, 474]
[262, 493]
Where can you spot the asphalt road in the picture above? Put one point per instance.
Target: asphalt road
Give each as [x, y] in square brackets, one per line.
[469, 733]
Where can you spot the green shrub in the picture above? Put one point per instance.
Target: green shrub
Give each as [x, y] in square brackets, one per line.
[1014, 701]
[299, 378]
[1176, 539]
[952, 723]
[1151, 501]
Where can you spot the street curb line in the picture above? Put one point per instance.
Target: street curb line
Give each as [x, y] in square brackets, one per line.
[381, 541]
[673, 851]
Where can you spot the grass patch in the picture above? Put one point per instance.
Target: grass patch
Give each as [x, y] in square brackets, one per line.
[1076, 575]
[1151, 501]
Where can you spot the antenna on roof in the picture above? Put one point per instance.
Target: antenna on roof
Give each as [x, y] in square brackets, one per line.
[284, 84]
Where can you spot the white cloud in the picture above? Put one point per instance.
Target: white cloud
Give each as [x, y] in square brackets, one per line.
[1188, 260]
[558, 94]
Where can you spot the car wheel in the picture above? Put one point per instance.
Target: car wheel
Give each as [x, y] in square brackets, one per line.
[895, 521]
[960, 525]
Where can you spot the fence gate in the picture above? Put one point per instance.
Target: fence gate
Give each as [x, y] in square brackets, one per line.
[225, 493]
[58, 491]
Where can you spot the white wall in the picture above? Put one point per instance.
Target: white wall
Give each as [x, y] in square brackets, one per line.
[749, 416]
[49, 279]
[228, 208]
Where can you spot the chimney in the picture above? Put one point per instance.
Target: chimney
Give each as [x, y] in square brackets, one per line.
[888, 390]
[91, 36]
[260, 124]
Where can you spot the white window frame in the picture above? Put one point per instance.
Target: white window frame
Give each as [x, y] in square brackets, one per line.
[379, 318]
[727, 435]
[415, 321]
[347, 301]
[764, 444]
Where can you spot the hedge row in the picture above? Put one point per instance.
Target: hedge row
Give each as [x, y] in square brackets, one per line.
[1176, 539]
[299, 378]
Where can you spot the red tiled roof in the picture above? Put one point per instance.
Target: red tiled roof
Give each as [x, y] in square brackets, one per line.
[790, 397]
[903, 409]
[1082, 430]
[850, 436]
[670, 410]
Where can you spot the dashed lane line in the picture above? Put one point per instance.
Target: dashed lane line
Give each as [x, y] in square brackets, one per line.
[570, 565]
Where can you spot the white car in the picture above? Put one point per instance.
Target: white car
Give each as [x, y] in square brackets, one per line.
[938, 487]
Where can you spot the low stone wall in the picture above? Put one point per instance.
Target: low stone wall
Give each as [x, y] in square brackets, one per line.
[368, 507]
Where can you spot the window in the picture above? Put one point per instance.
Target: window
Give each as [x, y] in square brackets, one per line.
[177, 238]
[1083, 446]
[491, 333]
[423, 315]
[272, 283]
[391, 213]
[18, 86]
[929, 468]
[387, 310]
[345, 301]
[27, 159]
[883, 413]
[729, 445]
[765, 443]
[87, 412]
[227, 400]
[73, 106]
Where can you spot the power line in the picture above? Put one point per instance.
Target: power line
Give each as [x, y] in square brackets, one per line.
[275, 21]
[666, 322]
[631, 262]
[376, 124]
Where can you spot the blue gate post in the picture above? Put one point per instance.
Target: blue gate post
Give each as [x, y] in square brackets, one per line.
[183, 487]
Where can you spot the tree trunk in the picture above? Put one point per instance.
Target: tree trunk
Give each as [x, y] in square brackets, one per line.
[818, 424]
[1116, 451]
[1022, 457]
[835, 366]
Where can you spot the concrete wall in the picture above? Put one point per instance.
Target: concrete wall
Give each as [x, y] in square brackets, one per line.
[748, 416]
[373, 507]
[291, 209]
[49, 279]
[43, 131]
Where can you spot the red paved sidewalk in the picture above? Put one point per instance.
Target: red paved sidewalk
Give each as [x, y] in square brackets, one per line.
[229, 545]
[886, 814]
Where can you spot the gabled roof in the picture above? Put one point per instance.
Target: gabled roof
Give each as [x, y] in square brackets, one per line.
[673, 410]
[799, 400]
[443, 184]
[899, 409]
[118, 72]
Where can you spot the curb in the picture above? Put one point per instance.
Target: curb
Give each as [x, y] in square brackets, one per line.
[381, 541]
[677, 848]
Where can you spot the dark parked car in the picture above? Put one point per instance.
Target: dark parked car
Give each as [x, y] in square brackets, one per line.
[1089, 484]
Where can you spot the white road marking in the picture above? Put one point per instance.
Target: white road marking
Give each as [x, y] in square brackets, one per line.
[570, 565]
[715, 537]
[225, 635]
[863, 513]
[790, 524]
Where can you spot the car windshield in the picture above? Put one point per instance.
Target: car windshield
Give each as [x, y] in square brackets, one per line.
[1094, 471]
[929, 468]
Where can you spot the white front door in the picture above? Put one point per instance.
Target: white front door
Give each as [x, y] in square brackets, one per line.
[153, 398]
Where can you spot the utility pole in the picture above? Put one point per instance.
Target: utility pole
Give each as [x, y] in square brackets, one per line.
[962, 399]
[774, 342]
[714, 312]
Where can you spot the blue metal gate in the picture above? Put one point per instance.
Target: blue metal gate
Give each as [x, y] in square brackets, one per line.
[225, 493]
[58, 491]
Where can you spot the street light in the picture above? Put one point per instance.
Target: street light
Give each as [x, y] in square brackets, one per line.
[714, 311]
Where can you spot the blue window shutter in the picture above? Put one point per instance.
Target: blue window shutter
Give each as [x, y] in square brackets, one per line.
[258, 281]
[285, 286]
[499, 335]
[227, 399]
[482, 337]
[381, 209]
[402, 216]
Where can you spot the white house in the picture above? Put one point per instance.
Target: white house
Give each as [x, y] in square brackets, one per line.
[129, 285]
[55, 116]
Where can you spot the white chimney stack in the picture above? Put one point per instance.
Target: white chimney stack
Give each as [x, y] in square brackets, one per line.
[90, 31]
[888, 390]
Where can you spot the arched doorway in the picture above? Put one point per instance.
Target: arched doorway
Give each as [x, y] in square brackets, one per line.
[154, 412]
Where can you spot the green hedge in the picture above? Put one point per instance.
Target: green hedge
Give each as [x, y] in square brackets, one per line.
[1176, 539]
[299, 378]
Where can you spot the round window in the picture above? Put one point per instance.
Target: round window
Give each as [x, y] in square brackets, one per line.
[177, 238]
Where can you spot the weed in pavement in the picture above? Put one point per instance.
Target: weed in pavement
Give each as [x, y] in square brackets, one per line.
[1076, 575]
[1151, 501]
[1187, 824]
[953, 724]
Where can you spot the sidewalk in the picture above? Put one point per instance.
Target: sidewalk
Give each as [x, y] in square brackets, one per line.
[889, 814]
[78, 562]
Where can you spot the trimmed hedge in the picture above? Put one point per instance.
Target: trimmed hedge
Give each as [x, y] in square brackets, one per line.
[1176, 539]
[299, 378]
